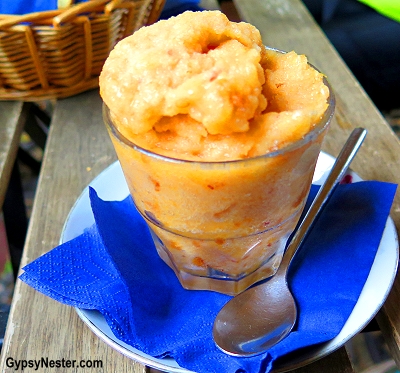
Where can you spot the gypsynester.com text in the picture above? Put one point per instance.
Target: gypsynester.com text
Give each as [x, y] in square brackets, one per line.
[45, 362]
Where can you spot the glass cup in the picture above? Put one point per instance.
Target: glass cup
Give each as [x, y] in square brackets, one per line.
[221, 226]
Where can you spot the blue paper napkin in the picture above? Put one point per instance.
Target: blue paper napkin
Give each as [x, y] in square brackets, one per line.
[113, 267]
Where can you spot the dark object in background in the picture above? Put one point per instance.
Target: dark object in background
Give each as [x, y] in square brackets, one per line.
[368, 42]
[175, 7]
[15, 218]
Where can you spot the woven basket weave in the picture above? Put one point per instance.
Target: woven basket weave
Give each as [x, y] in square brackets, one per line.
[56, 54]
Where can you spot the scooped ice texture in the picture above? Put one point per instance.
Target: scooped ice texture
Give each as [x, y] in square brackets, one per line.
[200, 87]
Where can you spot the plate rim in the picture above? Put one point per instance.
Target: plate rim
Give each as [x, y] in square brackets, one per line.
[320, 351]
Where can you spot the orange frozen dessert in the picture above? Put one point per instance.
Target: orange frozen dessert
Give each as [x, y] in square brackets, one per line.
[218, 138]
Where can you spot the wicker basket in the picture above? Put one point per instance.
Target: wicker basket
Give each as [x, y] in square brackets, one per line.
[56, 54]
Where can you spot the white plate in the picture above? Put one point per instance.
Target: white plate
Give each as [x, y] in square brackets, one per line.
[110, 185]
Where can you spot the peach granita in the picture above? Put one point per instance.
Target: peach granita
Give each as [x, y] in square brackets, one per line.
[218, 137]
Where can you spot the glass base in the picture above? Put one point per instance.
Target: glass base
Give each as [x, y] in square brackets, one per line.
[218, 281]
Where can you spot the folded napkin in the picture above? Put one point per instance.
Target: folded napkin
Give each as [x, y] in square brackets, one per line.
[113, 267]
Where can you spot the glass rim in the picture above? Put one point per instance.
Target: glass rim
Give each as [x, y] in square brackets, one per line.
[318, 128]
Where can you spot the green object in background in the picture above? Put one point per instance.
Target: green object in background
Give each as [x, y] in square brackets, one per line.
[7, 267]
[388, 8]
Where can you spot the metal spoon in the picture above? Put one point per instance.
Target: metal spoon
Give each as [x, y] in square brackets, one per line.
[258, 318]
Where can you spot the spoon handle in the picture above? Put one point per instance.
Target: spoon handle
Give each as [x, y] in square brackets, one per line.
[336, 174]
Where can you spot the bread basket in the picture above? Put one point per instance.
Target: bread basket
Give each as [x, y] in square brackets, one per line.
[56, 54]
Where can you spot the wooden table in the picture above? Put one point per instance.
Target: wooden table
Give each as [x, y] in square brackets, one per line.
[13, 118]
[78, 149]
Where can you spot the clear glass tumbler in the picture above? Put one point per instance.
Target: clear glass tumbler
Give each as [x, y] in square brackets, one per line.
[221, 226]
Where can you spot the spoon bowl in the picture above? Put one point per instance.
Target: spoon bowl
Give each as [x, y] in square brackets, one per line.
[264, 331]
[263, 315]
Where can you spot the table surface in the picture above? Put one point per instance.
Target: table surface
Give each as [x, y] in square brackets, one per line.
[78, 149]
